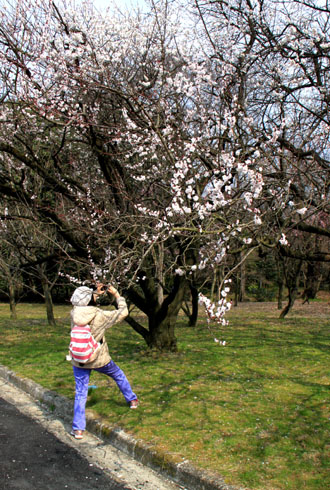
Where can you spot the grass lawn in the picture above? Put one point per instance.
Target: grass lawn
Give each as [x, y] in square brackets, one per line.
[256, 411]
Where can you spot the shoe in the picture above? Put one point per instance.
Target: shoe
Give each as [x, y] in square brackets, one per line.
[78, 434]
[134, 403]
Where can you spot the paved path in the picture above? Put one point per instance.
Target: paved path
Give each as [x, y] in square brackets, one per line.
[33, 458]
[38, 453]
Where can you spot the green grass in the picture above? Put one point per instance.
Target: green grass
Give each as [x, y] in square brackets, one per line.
[256, 411]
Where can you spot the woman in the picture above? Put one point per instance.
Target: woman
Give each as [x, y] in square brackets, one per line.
[99, 321]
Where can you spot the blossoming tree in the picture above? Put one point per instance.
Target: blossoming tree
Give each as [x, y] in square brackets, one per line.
[279, 54]
[152, 160]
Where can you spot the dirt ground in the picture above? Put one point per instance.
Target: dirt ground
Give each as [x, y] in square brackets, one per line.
[319, 307]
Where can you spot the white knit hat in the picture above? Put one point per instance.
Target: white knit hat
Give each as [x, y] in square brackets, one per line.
[81, 296]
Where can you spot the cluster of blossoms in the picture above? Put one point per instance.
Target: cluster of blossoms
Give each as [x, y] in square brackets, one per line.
[216, 311]
[72, 279]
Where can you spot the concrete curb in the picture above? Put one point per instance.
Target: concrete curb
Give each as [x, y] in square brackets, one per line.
[182, 473]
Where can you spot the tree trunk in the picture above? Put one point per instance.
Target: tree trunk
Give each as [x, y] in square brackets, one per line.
[280, 294]
[280, 281]
[159, 273]
[214, 282]
[292, 274]
[292, 297]
[12, 301]
[237, 288]
[49, 306]
[194, 306]
[313, 281]
[162, 324]
[242, 293]
[160, 333]
[193, 314]
[47, 297]
[218, 276]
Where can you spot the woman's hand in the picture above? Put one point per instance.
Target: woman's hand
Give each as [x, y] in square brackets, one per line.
[113, 290]
[100, 288]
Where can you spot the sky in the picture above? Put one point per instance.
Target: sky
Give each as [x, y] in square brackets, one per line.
[101, 4]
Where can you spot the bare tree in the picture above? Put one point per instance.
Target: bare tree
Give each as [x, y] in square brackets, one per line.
[32, 256]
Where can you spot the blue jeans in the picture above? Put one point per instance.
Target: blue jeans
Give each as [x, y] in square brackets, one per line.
[82, 379]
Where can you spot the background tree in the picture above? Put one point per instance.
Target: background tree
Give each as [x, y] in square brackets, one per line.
[31, 257]
[11, 284]
[279, 54]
